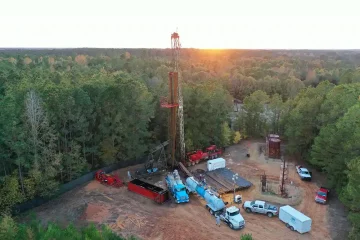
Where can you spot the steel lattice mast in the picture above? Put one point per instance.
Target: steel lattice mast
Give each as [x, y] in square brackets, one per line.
[175, 48]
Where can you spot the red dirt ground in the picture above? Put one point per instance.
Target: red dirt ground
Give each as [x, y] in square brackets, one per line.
[130, 214]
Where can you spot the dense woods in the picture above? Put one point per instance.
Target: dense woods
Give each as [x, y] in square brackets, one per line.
[66, 112]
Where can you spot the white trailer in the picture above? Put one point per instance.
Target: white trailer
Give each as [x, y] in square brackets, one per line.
[294, 219]
[215, 164]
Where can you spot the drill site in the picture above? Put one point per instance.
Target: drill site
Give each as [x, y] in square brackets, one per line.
[150, 209]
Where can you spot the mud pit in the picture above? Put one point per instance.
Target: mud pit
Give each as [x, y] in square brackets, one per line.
[130, 214]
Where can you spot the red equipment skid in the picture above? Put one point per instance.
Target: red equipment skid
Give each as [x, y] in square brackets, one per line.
[108, 179]
[196, 156]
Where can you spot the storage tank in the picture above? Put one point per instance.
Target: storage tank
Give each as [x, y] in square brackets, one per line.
[215, 203]
[210, 197]
[274, 147]
[191, 183]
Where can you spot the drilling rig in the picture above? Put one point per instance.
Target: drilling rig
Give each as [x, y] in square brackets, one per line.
[174, 102]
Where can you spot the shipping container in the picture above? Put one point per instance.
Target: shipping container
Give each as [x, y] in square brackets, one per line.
[148, 190]
[294, 219]
[274, 148]
[215, 164]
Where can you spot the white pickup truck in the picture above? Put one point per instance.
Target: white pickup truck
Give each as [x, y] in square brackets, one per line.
[303, 173]
[260, 207]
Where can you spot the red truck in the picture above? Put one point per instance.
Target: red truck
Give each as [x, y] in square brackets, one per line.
[195, 157]
[322, 195]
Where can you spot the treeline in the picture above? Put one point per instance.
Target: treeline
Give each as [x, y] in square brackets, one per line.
[34, 230]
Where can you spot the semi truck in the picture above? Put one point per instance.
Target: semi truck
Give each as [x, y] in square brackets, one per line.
[262, 207]
[176, 187]
[216, 206]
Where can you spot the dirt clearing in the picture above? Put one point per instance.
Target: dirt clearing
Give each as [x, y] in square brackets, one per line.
[128, 213]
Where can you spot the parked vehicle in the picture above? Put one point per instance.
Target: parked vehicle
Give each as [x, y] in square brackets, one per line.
[232, 217]
[262, 207]
[148, 190]
[238, 199]
[176, 187]
[195, 157]
[303, 173]
[322, 195]
[216, 206]
[215, 164]
[213, 152]
[294, 219]
[108, 179]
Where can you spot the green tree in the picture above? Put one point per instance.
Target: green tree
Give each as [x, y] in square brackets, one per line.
[247, 236]
[350, 76]
[10, 193]
[43, 140]
[336, 146]
[227, 135]
[206, 108]
[301, 125]
[237, 137]
[253, 117]
[351, 196]
[276, 108]
[337, 102]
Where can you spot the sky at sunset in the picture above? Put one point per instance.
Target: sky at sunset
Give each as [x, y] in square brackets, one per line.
[306, 24]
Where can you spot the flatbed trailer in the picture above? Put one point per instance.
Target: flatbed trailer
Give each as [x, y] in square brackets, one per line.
[158, 194]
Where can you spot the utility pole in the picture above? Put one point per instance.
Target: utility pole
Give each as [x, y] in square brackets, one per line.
[234, 178]
[282, 187]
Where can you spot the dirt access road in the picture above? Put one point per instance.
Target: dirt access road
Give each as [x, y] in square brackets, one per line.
[130, 214]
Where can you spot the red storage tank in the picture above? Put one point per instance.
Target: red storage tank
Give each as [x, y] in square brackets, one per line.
[274, 147]
[148, 190]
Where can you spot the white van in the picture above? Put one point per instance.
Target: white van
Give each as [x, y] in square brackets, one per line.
[294, 219]
[215, 164]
